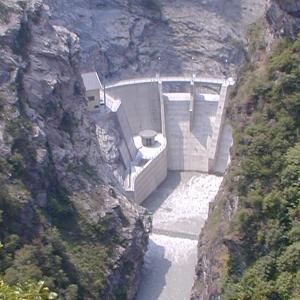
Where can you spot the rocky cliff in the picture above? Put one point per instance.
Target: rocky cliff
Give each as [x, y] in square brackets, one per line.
[239, 254]
[128, 38]
[62, 218]
[284, 18]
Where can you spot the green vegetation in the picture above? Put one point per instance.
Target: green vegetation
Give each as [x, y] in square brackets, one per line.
[26, 291]
[55, 243]
[265, 175]
[45, 235]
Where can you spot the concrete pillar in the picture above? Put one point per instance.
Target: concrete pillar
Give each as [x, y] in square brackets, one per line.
[162, 108]
[192, 104]
[219, 121]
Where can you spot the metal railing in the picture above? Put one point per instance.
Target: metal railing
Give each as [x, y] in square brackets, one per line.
[163, 79]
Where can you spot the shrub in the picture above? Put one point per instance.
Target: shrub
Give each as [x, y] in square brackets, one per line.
[267, 162]
[27, 291]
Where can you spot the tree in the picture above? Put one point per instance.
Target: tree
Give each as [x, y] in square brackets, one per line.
[27, 291]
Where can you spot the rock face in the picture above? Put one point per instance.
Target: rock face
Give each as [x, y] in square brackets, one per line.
[46, 136]
[121, 38]
[284, 17]
[213, 244]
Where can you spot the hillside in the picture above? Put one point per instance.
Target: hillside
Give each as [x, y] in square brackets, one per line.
[62, 219]
[249, 248]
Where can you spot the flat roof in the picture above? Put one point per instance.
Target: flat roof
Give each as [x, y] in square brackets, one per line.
[148, 134]
[91, 81]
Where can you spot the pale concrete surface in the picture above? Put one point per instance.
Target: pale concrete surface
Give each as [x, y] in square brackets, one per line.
[149, 152]
[150, 177]
[162, 109]
[223, 154]
[126, 131]
[141, 105]
[93, 87]
[177, 131]
[196, 79]
[187, 149]
[192, 123]
[178, 96]
[214, 140]
[148, 169]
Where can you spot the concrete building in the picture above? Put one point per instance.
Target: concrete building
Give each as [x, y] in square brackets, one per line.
[163, 129]
[94, 90]
[149, 168]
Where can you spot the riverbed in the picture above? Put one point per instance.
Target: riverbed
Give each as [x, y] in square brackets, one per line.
[180, 207]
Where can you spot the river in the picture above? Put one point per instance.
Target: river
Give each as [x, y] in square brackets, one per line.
[180, 207]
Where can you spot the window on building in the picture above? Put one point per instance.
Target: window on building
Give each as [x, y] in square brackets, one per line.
[91, 98]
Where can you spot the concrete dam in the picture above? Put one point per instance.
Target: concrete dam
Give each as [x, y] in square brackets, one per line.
[174, 146]
[184, 114]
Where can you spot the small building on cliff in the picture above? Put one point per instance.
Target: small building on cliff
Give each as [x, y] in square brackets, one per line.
[94, 90]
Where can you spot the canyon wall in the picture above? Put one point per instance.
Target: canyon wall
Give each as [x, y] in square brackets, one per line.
[59, 195]
[227, 249]
[129, 38]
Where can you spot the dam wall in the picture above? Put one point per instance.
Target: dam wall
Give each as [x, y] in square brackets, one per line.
[151, 177]
[126, 131]
[141, 105]
[189, 124]
[217, 127]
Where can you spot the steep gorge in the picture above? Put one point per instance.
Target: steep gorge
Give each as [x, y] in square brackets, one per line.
[55, 164]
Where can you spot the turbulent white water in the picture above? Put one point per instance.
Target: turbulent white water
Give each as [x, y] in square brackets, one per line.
[180, 208]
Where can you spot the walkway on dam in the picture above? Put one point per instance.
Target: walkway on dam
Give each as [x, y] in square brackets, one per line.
[180, 208]
[196, 79]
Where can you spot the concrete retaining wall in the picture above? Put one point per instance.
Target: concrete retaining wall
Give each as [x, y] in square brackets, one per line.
[187, 145]
[162, 109]
[213, 144]
[126, 131]
[141, 105]
[151, 177]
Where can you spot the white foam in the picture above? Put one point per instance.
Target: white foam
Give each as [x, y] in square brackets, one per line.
[168, 270]
[188, 204]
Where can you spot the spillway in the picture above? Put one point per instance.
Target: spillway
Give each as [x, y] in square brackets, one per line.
[180, 207]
